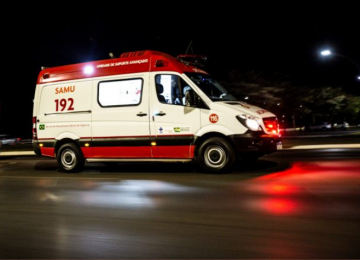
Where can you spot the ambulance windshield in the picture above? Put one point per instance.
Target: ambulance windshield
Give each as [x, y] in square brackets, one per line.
[211, 87]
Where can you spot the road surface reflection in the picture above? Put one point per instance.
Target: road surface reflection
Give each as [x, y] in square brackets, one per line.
[308, 210]
[308, 187]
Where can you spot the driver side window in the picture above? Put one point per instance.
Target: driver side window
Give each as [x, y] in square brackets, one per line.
[173, 89]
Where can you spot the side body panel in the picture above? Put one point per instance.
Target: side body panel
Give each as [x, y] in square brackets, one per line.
[63, 110]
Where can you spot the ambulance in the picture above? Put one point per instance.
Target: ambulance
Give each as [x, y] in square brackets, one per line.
[146, 106]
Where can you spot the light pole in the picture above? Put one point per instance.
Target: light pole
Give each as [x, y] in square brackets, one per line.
[329, 53]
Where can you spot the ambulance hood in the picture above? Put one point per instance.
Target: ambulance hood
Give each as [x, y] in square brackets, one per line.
[252, 110]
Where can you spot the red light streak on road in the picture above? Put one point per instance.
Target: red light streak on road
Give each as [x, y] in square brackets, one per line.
[281, 189]
[304, 187]
[281, 205]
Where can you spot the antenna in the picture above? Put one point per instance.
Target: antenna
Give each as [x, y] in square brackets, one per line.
[188, 47]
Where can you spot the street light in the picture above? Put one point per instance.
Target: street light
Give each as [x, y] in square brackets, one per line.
[328, 53]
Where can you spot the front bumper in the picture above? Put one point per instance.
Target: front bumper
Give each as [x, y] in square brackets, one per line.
[257, 144]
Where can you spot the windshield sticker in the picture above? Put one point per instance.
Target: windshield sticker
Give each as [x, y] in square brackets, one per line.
[213, 118]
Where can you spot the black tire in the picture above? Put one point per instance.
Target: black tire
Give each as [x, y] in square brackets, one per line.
[216, 155]
[70, 158]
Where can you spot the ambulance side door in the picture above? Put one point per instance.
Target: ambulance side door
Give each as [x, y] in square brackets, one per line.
[120, 117]
[172, 124]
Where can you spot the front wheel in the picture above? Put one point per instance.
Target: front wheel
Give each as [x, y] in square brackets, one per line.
[70, 158]
[216, 155]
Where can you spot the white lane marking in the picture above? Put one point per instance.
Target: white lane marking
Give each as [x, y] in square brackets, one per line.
[17, 153]
[323, 146]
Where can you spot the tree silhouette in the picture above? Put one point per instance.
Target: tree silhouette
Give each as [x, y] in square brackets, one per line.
[295, 105]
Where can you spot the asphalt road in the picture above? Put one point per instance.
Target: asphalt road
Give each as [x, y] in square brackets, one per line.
[293, 204]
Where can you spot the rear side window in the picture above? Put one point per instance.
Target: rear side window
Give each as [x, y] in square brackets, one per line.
[120, 92]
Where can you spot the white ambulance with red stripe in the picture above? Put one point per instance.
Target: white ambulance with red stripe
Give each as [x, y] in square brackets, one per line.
[145, 106]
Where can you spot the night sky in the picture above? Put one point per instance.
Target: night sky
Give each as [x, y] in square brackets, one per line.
[271, 37]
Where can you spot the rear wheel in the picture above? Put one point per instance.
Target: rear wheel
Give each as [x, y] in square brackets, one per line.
[216, 155]
[70, 158]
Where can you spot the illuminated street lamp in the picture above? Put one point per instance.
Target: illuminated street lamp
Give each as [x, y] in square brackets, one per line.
[328, 53]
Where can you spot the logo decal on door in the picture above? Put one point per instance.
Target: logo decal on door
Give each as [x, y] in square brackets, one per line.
[182, 129]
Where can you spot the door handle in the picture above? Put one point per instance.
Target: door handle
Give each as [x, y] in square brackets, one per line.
[161, 113]
[141, 114]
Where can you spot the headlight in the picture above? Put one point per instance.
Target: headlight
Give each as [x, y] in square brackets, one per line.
[249, 122]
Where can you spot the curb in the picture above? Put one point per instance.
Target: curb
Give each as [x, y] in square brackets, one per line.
[17, 153]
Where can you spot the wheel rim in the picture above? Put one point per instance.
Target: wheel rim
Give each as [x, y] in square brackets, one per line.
[68, 159]
[215, 156]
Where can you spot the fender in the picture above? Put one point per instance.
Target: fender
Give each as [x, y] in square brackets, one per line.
[214, 128]
[67, 135]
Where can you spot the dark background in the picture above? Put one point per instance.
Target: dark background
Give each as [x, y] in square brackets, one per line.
[270, 37]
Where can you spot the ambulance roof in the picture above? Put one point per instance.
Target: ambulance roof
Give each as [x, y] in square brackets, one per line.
[129, 62]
